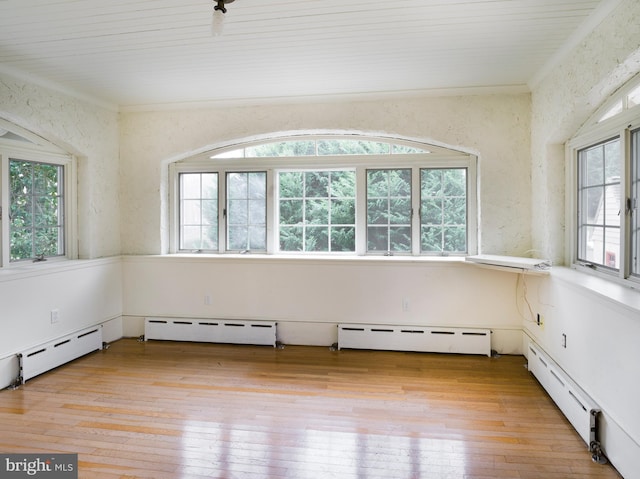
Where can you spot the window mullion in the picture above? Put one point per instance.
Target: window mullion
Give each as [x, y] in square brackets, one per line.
[625, 213]
[223, 212]
[4, 206]
[361, 210]
[272, 213]
[415, 211]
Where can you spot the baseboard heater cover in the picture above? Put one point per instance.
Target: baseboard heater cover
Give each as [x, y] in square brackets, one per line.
[581, 411]
[415, 338]
[211, 331]
[42, 358]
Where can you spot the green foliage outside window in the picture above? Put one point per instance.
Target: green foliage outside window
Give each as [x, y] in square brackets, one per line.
[443, 207]
[389, 210]
[317, 210]
[36, 219]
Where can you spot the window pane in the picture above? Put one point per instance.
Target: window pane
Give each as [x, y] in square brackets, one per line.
[198, 211]
[284, 148]
[400, 238]
[317, 212]
[237, 186]
[316, 184]
[247, 211]
[291, 184]
[291, 238]
[617, 108]
[291, 212]
[389, 210]
[634, 97]
[343, 211]
[352, 147]
[326, 199]
[404, 150]
[343, 238]
[599, 198]
[443, 210]
[36, 210]
[592, 205]
[594, 166]
[190, 186]
[377, 238]
[316, 238]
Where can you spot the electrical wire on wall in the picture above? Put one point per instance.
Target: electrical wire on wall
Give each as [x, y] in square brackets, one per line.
[522, 283]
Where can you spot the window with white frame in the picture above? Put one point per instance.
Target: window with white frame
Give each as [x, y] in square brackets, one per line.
[389, 210]
[317, 210]
[605, 157]
[337, 195]
[35, 199]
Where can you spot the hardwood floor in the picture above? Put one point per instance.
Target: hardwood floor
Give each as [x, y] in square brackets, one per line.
[182, 410]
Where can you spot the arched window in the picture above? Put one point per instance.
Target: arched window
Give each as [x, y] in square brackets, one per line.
[36, 197]
[329, 194]
[605, 170]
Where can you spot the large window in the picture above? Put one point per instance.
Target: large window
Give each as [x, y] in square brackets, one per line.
[606, 161]
[34, 206]
[326, 195]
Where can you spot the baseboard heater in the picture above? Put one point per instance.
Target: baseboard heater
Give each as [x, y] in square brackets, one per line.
[211, 331]
[414, 338]
[581, 411]
[45, 357]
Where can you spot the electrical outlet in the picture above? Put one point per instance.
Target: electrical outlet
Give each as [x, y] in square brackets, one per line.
[207, 299]
[55, 316]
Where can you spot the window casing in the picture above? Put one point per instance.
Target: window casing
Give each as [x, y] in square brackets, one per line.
[331, 199]
[634, 205]
[604, 235]
[37, 199]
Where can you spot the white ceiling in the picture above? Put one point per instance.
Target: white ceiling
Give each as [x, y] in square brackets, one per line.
[151, 52]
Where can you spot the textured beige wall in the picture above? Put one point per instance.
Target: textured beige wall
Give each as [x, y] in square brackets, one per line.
[495, 127]
[91, 133]
[564, 101]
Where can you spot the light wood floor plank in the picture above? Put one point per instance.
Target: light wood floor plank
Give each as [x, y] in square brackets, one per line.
[181, 410]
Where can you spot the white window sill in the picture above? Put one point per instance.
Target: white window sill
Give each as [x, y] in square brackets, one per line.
[615, 292]
[304, 258]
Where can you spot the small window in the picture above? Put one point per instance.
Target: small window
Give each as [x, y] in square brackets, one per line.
[443, 210]
[317, 211]
[599, 195]
[613, 111]
[389, 210]
[247, 211]
[633, 98]
[37, 223]
[320, 147]
[199, 211]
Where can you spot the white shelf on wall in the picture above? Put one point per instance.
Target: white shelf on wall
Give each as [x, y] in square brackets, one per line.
[511, 263]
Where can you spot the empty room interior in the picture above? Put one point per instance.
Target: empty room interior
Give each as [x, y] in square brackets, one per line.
[305, 238]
